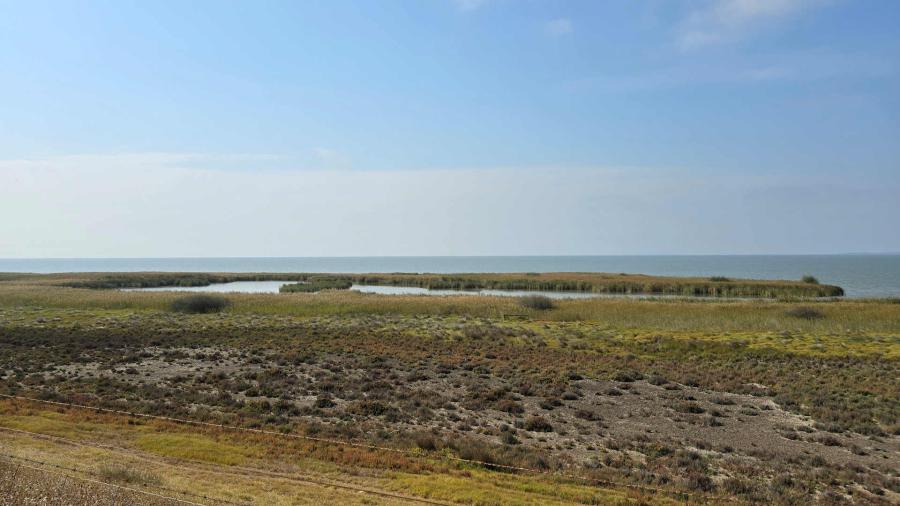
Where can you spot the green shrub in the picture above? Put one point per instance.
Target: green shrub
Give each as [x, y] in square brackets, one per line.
[810, 279]
[541, 302]
[719, 279]
[202, 303]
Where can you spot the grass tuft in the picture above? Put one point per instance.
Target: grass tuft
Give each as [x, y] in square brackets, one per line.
[122, 474]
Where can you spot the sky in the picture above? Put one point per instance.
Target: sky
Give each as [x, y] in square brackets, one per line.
[449, 127]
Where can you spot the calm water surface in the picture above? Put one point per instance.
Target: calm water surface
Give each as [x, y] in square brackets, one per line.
[859, 275]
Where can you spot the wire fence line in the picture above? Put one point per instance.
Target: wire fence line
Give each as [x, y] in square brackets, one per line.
[406, 452]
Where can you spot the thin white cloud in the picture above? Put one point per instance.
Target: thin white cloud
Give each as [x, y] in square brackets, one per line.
[557, 27]
[722, 21]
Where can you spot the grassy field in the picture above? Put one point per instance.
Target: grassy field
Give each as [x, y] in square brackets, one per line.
[600, 401]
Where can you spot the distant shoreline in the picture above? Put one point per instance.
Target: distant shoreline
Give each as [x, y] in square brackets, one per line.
[860, 275]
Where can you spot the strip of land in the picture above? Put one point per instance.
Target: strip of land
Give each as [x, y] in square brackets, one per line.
[716, 286]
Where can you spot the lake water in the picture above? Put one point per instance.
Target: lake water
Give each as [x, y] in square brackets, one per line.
[859, 275]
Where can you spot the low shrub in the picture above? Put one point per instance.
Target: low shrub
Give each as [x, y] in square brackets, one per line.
[628, 376]
[805, 312]
[810, 279]
[538, 424]
[202, 303]
[719, 279]
[541, 302]
[658, 380]
[510, 406]
[509, 438]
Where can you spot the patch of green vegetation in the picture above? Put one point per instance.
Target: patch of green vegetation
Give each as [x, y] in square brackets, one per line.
[52, 424]
[193, 447]
[484, 488]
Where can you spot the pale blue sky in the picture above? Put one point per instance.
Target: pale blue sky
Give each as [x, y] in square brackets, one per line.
[449, 127]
